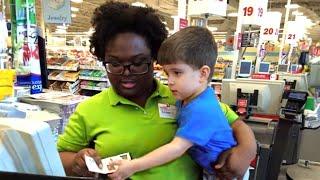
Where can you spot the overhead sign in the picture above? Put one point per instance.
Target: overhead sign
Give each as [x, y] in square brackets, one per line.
[211, 7]
[270, 27]
[292, 35]
[183, 23]
[301, 28]
[252, 11]
[57, 12]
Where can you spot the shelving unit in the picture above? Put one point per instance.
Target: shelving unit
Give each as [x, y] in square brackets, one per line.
[93, 76]
[63, 66]
[219, 68]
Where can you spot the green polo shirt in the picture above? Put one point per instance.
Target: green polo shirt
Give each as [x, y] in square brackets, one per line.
[117, 125]
[229, 113]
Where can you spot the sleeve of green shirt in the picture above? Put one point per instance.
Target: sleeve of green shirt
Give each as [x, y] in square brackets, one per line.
[229, 113]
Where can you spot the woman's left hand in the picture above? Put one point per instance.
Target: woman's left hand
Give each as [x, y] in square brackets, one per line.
[232, 163]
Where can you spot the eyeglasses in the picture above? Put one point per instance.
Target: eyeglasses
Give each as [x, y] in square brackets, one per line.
[134, 68]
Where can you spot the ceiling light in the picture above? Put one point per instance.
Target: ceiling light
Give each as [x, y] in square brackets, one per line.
[292, 6]
[297, 13]
[138, 4]
[73, 15]
[309, 23]
[234, 14]
[212, 28]
[61, 31]
[62, 27]
[77, 1]
[74, 9]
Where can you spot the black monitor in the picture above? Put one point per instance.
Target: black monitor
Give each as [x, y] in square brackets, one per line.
[283, 68]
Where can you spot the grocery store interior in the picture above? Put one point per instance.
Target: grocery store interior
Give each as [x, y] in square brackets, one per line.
[267, 71]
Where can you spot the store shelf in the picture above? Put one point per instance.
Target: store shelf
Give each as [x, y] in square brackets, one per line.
[92, 88]
[70, 76]
[93, 78]
[62, 79]
[63, 68]
[92, 67]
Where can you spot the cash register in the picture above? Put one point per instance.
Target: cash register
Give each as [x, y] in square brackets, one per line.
[294, 106]
[287, 138]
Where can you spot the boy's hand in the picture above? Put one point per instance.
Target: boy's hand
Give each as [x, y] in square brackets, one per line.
[124, 170]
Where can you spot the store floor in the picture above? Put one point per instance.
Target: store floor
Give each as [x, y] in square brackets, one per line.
[298, 172]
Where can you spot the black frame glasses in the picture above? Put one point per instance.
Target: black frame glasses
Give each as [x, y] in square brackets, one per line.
[117, 68]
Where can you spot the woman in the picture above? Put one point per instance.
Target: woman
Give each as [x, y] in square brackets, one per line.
[128, 117]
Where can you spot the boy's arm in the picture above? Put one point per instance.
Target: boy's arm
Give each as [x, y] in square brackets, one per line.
[234, 162]
[176, 148]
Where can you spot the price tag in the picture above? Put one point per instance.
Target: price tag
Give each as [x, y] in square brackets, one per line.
[270, 28]
[201, 7]
[252, 11]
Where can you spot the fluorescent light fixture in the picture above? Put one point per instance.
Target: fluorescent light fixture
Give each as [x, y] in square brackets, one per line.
[77, 1]
[309, 23]
[138, 4]
[73, 15]
[212, 28]
[234, 14]
[61, 31]
[297, 13]
[74, 9]
[292, 6]
[62, 27]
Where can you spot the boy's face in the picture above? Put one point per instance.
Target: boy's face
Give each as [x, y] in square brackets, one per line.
[184, 81]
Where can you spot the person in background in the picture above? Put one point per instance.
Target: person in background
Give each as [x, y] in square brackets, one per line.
[187, 58]
[126, 117]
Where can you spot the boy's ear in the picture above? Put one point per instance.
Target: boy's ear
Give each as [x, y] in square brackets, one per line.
[204, 73]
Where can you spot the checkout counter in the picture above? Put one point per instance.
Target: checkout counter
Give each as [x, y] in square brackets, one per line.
[278, 134]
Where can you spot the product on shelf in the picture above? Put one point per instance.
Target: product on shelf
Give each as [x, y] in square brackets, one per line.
[55, 61]
[70, 75]
[94, 75]
[219, 68]
[71, 63]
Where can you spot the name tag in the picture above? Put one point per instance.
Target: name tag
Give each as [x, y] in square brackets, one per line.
[167, 111]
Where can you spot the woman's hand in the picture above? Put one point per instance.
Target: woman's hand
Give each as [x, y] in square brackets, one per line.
[79, 166]
[232, 163]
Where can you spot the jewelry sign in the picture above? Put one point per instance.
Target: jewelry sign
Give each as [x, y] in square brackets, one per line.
[56, 11]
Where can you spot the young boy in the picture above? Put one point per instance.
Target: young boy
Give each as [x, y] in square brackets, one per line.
[188, 58]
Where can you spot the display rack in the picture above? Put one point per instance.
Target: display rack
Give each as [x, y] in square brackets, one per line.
[63, 67]
[72, 67]
[219, 68]
[93, 76]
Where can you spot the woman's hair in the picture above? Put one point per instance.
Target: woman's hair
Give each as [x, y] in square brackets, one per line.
[112, 18]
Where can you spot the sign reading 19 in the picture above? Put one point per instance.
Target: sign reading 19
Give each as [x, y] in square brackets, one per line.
[248, 11]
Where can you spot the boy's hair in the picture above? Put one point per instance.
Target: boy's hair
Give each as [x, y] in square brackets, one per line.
[193, 45]
[112, 18]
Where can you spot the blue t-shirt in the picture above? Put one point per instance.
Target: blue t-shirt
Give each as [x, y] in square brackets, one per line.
[203, 123]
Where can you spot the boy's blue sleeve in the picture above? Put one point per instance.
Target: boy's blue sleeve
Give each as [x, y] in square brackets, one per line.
[199, 125]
